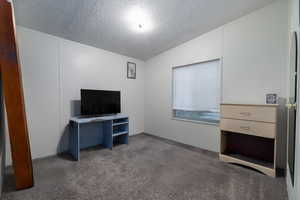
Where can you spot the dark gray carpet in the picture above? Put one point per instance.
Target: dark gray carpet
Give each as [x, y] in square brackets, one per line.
[148, 168]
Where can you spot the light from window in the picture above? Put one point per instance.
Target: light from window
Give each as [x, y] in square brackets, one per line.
[197, 91]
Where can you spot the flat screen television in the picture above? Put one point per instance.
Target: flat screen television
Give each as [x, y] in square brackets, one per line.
[100, 102]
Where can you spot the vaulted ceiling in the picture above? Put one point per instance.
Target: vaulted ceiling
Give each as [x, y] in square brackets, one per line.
[104, 23]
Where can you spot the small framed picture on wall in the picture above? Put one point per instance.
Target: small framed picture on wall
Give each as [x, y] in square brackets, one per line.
[131, 70]
[271, 99]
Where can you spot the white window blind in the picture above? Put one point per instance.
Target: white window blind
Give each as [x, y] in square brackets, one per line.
[196, 87]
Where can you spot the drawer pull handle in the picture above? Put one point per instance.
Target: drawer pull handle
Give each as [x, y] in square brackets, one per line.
[247, 128]
[245, 113]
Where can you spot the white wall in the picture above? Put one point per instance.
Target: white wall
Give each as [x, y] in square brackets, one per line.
[255, 55]
[254, 52]
[294, 192]
[54, 70]
[158, 87]
[39, 57]
[86, 67]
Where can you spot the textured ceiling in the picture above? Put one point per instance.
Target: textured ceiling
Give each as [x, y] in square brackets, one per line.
[101, 23]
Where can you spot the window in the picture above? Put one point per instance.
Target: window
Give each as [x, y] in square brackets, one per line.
[196, 92]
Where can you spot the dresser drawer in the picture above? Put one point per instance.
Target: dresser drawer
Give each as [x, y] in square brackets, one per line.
[254, 113]
[262, 129]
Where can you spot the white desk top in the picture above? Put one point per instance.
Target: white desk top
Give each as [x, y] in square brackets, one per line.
[82, 119]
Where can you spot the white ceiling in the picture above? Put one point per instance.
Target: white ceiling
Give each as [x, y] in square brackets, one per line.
[101, 23]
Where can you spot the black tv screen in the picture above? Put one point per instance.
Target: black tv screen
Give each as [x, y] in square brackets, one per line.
[100, 102]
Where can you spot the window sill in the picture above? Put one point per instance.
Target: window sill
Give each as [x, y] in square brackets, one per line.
[196, 121]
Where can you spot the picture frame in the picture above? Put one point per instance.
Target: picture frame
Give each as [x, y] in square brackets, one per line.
[271, 99]
[131, 70]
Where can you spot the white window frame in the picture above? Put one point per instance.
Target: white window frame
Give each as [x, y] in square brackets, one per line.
[174, 117]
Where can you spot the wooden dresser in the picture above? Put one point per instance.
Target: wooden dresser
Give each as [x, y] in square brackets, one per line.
[248, 136]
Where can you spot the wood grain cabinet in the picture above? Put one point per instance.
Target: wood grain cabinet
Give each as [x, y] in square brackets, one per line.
[248, 136]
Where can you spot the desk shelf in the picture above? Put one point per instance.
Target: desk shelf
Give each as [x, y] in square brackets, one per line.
[120, 123]
[120, 133]
[123, 120]
[119, 128]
